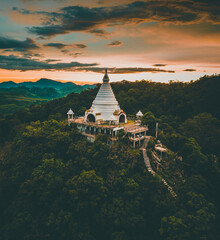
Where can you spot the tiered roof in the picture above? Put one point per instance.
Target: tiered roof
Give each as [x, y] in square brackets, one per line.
[105, 102]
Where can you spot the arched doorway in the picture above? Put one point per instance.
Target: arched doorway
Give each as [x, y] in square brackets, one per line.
[122, 118]
[91, 118]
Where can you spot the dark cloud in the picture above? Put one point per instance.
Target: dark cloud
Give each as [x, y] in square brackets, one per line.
[55, 45]
[75, 54]
[52, 60]
[159, 65]
[124, 70]
[61, 45]
[24, 64]
[78, 18]
[70, 53]
[79, 45]
[30, 55]
[115, 43]
[17, 45]
[99, 32]
[65, 51]
[189, 70]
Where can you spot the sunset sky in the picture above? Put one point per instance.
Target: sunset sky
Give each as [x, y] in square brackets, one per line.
[75, 40]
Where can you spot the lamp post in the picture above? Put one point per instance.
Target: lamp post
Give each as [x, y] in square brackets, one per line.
[156, 129]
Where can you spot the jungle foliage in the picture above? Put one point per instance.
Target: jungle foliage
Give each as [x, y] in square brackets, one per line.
[56, 185]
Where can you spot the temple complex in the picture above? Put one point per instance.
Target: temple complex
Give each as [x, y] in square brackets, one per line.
[105, 116]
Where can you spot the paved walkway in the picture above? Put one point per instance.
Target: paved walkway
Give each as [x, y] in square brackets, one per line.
[146, 158]
[149, 168]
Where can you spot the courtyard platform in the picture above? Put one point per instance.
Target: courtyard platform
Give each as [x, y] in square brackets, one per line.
[135, 132]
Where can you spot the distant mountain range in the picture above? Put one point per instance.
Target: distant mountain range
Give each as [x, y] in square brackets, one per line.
[14, 96]
[45, 83]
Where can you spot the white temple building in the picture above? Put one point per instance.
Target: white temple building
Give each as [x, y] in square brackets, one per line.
[105, 116]
[105, 107]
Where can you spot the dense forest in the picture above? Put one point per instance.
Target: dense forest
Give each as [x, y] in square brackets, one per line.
[56, 185]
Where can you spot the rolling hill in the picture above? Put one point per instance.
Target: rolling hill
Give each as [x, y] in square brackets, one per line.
[14, 96]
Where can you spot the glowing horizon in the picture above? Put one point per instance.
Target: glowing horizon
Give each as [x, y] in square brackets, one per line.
[135, 39]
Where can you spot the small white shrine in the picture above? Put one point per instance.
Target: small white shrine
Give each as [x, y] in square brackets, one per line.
[139, 114]
[70, 114]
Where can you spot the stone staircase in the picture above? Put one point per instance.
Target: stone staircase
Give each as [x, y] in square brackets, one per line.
[149, 168]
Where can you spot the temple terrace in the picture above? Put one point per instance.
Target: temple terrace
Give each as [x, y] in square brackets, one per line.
[105, 116]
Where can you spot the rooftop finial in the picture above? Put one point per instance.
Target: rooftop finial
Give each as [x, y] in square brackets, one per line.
[105, 78]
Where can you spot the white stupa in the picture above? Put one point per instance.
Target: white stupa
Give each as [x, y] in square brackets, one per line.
[139, 114]
[105, 107]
